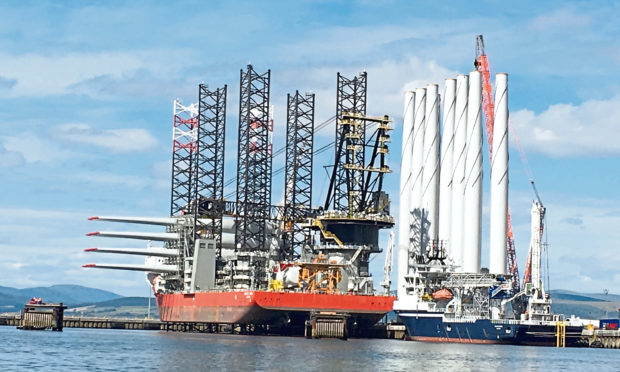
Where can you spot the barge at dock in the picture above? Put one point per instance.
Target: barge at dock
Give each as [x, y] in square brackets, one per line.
[248, 261]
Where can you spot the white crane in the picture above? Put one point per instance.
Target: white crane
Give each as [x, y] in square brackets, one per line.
[387, 267]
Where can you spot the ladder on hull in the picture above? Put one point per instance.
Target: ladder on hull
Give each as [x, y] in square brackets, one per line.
[560, 334]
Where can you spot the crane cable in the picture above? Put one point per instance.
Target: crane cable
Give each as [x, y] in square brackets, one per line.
[517, 142]
[281, 150]
[530, 176]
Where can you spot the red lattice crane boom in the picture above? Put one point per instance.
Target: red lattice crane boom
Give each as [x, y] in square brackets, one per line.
[482, 65]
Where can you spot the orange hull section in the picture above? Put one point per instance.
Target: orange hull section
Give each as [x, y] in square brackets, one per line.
[262, 307]
[295, 301]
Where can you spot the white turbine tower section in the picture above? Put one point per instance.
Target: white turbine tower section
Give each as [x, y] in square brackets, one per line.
[445, 167]
[499, 179]
[404, 215]
[455, 245]
[537, 214]
[473, 168]
[430, 172]
[417, 167]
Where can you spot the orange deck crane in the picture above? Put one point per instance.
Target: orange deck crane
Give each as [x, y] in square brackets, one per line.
[482, 65]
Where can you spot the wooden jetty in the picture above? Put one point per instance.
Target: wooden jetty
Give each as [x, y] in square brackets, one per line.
[42, 316]
[327, 325]
[385, 331]
[129, 323]
[602, 338]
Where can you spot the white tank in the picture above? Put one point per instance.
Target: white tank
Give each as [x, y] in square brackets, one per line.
[458, 175]
[430, 173]
[291, 277]
[417, 167]
[445, 166]
[499, 179]
[473, 176]
[404, 214]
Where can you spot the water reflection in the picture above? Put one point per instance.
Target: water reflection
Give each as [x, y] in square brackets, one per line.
[92, 349]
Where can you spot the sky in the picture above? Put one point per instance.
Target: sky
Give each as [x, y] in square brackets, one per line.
[86, 92]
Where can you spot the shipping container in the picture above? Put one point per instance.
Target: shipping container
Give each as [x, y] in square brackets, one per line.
[609, 324]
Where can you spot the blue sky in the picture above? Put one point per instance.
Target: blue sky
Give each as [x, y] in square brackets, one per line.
[86, 91]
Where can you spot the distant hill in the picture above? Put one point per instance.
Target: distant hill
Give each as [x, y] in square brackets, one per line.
[599, 296]
[13, 299]
[572, 296]
[80, 300]
[585, 310]
[124, 307]
[585, 305]
[10, 303]
[125, 301]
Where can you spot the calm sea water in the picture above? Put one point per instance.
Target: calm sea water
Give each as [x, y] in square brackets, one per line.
[114, 350]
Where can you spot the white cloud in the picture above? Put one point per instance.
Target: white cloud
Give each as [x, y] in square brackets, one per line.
[405, 75]
[31, 148]
[116, 140]
[45, 247]
[56, 74]
[43, 75]
[590, 128]
[112, 179]
[138, 83]
[560, 20]
[10, 158]
[387, 82]
[28, 147]
[582, 257]
[161, 172]
[44, 214]
[7, 84]
[333, 41]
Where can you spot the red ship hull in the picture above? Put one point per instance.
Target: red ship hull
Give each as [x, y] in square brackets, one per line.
[262, 307]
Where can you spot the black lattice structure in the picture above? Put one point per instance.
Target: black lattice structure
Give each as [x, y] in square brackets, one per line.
[184, 149]
[209, 170]
[372, 187]
[184, 144]
[298, 168]
[253, 180]
[345, 190]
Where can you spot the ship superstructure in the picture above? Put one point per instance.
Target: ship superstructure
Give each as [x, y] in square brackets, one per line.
[443, 293]
[251, 262]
